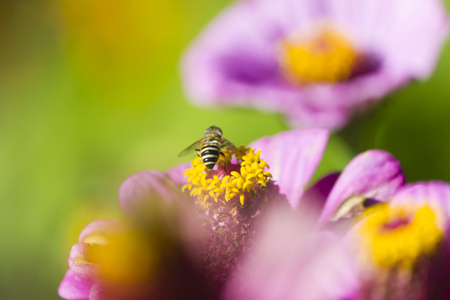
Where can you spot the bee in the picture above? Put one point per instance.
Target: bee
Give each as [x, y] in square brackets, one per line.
[209, 146]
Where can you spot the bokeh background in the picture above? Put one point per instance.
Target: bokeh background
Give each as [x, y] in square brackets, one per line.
[90, 93]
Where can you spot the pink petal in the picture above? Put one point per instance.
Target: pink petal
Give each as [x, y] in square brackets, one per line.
[293, 157]
[176, 173]
[80, 261]
[75, 286]
[374, 174]
[294, 264]
[434, 193]
[141, 189]
[100, 228]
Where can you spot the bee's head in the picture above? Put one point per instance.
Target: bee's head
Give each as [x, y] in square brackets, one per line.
[214, 129]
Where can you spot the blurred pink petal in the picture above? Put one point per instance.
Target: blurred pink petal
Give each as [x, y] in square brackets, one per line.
[434, 193]
[80, 261]
[293, 157]
[176, 173]
[96, 229]
[75, 286]
[144, 187]
[374, 174]
[289, 262]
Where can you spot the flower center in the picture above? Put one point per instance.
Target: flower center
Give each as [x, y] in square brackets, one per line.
[243, 177]
[326, 56]
[126, 257]
[397, 236]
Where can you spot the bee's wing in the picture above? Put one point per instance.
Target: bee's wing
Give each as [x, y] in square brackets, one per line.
[189, 149]
[229, 145]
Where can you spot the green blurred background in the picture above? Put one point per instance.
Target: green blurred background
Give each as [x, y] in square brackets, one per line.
[90, 93]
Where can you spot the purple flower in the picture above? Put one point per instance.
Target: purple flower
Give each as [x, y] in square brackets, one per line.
[203, 250]
[402, 247]
[119, 261]
[232, 199]
[317, 62]
[292, 259]
[398, 250]
[289, 261]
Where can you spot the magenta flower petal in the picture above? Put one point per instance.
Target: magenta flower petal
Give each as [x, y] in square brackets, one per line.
[434, 193]
[288, 262]
[102, 227]
[140, 188]
[235, 61]
[374, 174]
[75, 286]
[177, 173]
[293, 157]
[79, 261]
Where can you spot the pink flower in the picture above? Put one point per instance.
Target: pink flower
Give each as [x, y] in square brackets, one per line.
[397, 250]
[167, 247]
[120, 261]
[229, 223]
[316, 62]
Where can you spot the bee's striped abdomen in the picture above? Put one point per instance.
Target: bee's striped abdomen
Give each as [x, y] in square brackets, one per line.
[210, 155]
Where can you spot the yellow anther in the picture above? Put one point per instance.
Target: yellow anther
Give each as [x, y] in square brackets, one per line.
[258, 171]
[247, 185]
[235, 190]
[203, 182]
[232, 195]
[250, 176]
[261, 182]
[239, 184]
[235, 174]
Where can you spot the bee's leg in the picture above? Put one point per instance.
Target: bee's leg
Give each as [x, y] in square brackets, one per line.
[198, 152]
[225, 164]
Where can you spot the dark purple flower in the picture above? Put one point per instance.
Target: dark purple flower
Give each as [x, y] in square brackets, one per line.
[317, 62]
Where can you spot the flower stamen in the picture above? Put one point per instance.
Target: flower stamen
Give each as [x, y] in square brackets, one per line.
[245, 177]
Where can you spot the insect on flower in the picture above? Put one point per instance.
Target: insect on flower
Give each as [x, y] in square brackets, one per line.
[209, 147]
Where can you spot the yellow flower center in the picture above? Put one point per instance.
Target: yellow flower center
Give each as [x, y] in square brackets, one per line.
[397, 236]
[242, 179]
[126, 257]
[326, 56]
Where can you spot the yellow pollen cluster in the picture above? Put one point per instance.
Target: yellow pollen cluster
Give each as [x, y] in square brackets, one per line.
[396, 237]
[235, 185]
[325, 57]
